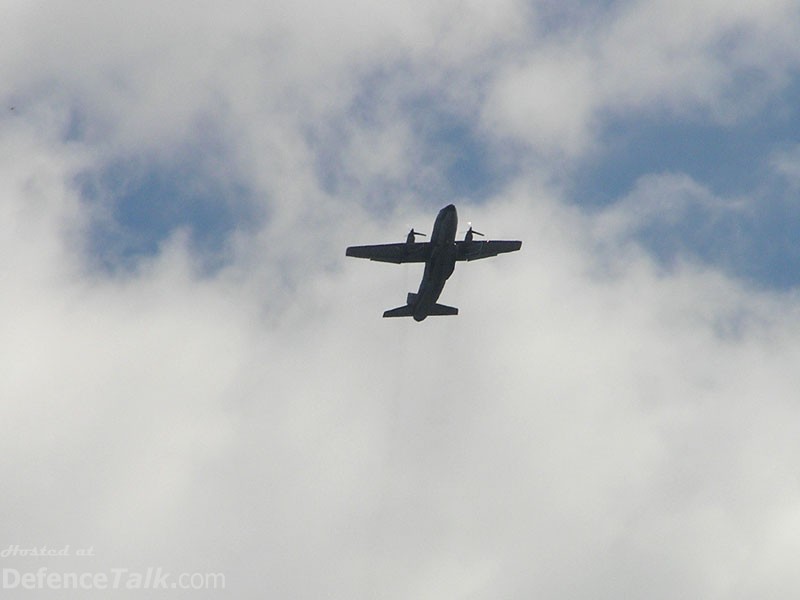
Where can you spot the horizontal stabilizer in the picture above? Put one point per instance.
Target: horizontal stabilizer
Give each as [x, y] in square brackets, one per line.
[437, 310]
[440, 310]
[400, 311]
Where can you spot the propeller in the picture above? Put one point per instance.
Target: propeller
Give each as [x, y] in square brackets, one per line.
[411, 238]
[471, 232]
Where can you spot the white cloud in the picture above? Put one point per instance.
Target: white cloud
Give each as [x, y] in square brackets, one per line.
[786, 164]
[547, 102]
[564, 416]
[666, 199]
[686, 57]
[712, 60]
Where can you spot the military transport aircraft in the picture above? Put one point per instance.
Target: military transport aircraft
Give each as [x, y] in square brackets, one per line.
[439, 255]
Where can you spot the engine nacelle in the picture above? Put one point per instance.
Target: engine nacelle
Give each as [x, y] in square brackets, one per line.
[412, 236]
[470, 233]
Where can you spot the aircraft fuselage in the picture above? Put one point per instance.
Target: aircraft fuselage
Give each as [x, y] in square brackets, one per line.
[440, 265]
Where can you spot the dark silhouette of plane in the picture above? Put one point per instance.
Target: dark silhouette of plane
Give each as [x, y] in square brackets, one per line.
[440, 255]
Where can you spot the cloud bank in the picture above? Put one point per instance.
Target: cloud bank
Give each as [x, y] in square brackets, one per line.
[195, 378]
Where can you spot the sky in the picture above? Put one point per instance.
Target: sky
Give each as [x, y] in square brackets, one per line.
[197, 380]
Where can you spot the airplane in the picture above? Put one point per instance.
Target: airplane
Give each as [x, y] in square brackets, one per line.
[440, 255]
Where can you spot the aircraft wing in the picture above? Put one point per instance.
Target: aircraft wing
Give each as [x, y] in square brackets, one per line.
[393, 253]
[484, 249]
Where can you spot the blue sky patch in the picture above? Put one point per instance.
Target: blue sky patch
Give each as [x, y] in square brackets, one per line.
[136, 206]
[727, 160]
[756, 237]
